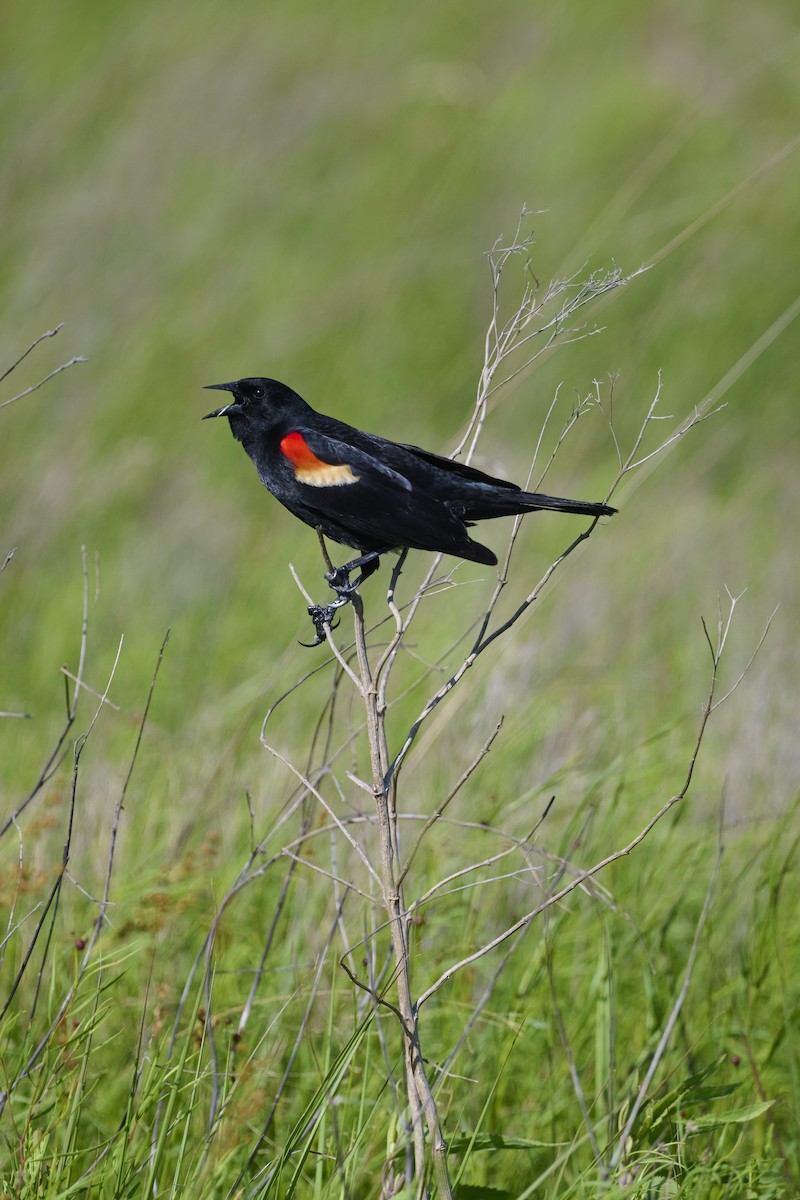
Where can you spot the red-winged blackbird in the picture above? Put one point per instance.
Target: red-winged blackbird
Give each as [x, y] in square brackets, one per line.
[367, 492]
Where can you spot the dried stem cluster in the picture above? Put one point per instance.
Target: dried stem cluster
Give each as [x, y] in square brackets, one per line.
[541, 320]
[379, 861]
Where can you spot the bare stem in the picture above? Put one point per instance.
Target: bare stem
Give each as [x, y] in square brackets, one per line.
[420, 1094]
[79, 358]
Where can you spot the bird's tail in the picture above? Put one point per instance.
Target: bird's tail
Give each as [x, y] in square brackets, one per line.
[502, 502]
[534, 500]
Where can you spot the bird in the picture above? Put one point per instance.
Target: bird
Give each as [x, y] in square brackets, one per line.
[367, 492]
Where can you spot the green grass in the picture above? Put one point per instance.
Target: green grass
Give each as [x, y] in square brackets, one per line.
[307, 192]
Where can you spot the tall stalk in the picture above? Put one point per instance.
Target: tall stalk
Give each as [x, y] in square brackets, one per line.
[422, 1105]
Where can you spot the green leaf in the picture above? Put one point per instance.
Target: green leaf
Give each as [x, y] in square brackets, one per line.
[495, 1141]
[468, 1191]
[737, 1116]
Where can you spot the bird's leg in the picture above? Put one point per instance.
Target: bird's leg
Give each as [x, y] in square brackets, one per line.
[322, 614]
[339, 580]
[323, 547]
[339, 577]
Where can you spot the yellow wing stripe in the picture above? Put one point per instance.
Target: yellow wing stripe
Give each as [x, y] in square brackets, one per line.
[325, 475]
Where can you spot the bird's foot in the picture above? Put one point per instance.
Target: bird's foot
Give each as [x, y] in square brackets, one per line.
[322, 615]
[339, 580]
[339, 577]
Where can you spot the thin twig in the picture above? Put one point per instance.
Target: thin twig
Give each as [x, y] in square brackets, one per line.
[315, 792]
[346, 883]
[435, 816]
[35, 387]
[565, 891]
[38, 1050]
[47, 334]
[55, 757]
[79, 683]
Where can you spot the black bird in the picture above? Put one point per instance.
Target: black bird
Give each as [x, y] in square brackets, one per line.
[364, 491]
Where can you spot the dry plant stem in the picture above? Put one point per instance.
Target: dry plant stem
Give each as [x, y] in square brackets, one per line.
[47, 334]
[35, 387]
[439, 812]
[481, 643]
[534, 318]
[315, 792]
[579, 879]
[55, 757]
[345, 883]
[55, 1023]
[50, 767]
[420, 1094]
[485, 637]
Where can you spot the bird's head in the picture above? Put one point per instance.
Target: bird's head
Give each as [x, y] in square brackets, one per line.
[256, 404]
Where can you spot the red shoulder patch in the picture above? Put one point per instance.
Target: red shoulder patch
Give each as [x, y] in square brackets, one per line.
[299, 453]
[309, 468]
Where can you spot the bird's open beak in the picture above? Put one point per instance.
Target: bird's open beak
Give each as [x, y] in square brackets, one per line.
[227, 409]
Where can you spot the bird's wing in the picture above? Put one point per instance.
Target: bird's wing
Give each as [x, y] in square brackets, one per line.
[453, 467]
[325, 462]
[368, 498]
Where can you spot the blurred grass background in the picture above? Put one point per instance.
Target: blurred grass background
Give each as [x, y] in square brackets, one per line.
[307, 191]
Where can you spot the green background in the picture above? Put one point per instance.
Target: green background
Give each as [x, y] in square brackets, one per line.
[202, 192]
[307, 193]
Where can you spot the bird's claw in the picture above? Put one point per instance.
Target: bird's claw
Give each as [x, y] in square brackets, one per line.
[322, 615]
[339, 580]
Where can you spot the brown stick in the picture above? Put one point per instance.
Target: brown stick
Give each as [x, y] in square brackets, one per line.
[420, 1095]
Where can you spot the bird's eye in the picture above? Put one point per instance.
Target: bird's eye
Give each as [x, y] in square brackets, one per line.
[257, 392]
